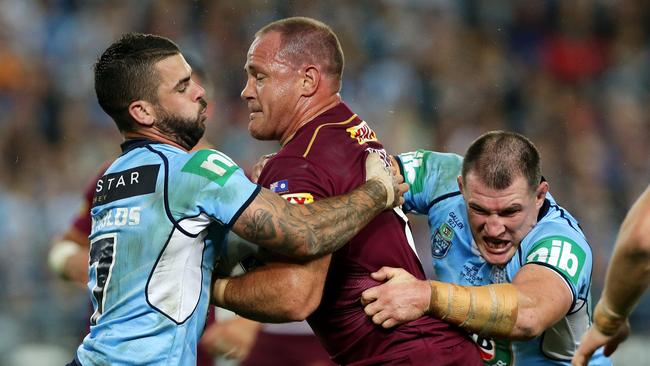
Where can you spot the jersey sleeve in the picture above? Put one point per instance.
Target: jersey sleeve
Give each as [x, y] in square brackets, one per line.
[82, 221]
[297, 180]
[563, 251]
[431, 176]
[209, 182]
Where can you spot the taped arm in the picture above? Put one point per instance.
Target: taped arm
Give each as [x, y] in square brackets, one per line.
[537, 298]
[280, 291]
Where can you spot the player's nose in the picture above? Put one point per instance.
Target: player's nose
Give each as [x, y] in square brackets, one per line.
[247, 92]
[493, 226]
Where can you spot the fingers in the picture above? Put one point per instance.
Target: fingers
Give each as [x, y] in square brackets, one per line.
[377, 168]
[578, 360]
[389, 323]
[380, 317]
[368, 296]
[588, 345]
[399, 185]
[371, 308]
[381, 274]
[257, 168]
[393, 162]
[610, 348]
[583, 353]
[387, 273]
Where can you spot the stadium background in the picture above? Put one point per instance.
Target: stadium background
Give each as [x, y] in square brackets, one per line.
[571, 75]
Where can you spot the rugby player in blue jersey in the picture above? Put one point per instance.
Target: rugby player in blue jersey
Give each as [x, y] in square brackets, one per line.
[510, 262]
[160, 215]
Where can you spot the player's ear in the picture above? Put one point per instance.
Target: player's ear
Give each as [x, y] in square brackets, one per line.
[142, 112]
[310, 80]
[459, 179]
[540, 193]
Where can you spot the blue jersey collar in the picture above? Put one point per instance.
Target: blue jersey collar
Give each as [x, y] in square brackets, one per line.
[131, 144]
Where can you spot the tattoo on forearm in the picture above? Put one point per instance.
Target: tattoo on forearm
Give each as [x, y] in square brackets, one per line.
[316, 229]
[260, 226]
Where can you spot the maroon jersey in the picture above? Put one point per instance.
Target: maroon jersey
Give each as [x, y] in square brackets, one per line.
[82, 222]
[326, 157]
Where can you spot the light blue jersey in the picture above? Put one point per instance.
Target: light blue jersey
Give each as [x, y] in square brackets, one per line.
[556, 242]
[160, 217]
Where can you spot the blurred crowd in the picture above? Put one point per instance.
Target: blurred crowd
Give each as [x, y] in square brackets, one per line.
[570, 75]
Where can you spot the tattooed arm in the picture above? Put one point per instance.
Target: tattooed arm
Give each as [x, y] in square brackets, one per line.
[309, 231]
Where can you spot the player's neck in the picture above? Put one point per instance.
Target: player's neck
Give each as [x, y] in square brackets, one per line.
[154, 135]
[310, 112]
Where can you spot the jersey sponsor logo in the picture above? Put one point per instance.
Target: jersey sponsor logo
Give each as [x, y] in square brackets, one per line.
[362, 133]
[455, 222]
[299, 198]
[412, 162]
[119, 216]
[441, 241]
[280, 186]
[211, 164]
[494, 352]
[127, 183]
[561, 253]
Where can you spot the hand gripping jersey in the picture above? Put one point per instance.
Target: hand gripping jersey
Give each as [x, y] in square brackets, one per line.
[159, 220]
[556, 242]
[326, 157]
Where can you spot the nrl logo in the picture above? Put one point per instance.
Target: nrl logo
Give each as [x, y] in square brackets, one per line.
[362, 133]
[441, 241]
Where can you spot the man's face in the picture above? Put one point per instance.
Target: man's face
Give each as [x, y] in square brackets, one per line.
[272, 89]
[500, 219]
[181, 109]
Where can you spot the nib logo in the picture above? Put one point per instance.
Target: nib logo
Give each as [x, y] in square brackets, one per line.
[561, 253]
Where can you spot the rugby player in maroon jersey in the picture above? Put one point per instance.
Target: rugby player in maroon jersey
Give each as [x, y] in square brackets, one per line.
[294, 69]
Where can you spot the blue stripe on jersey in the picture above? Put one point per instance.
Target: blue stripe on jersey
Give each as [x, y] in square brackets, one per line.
[443, 197]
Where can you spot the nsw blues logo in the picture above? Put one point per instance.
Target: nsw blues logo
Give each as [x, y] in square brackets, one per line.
[441, 241]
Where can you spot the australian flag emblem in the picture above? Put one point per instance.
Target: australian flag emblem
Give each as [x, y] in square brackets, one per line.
[441, 241]
[280, 186]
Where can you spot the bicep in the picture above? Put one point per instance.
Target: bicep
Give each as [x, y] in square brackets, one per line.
[544, 298]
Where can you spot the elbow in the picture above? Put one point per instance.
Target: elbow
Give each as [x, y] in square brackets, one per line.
[300, 300]
[297, 312]
[527, 329]
[526, 334]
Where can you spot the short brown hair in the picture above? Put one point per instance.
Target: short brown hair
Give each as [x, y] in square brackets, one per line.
[497, 157]
[307, 40]
[125, 73]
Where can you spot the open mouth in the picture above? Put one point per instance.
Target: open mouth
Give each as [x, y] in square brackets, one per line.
[496, 246]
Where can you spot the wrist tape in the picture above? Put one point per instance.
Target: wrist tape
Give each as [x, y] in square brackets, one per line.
[59, 254]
